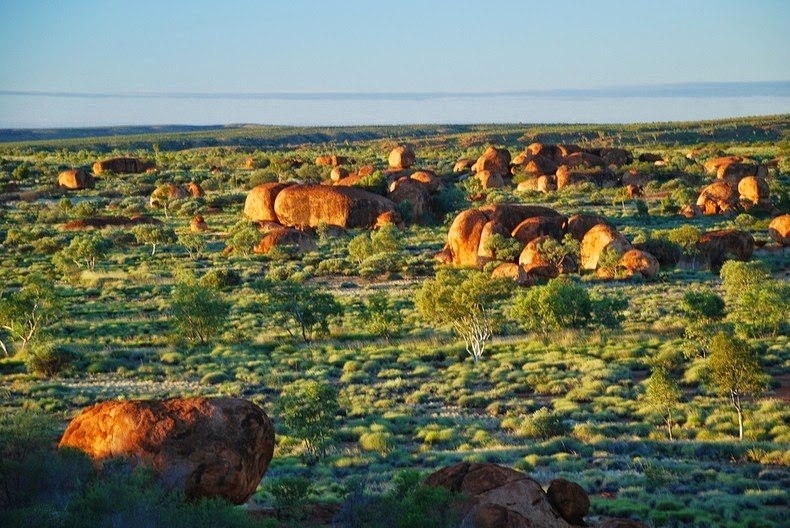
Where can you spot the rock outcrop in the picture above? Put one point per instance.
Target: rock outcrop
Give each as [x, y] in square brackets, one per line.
[636, 262]
[76, 180]
[717, 246]
[259, 204]
[219, 447]
[287, 239]
[121, 165]
[495, 160]
[779, 229]
[718, 197]
[498, 497]
[598, 239]
[306, 206]
[401, 157]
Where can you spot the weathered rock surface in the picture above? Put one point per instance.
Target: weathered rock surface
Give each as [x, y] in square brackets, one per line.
[401, 157]
[717, 246]
[259, 204]
[304, 206]
[76, 179]
[598, 239]
[495, 160]
[198, 224]
[636, 262]
[537, 226]
[753, 190]
[498, 497]
[415, 193]
[286, 238]
[121, 165]
[718, 197]
[779, 229]
[168, 191]
[569, 499]
[219, 447]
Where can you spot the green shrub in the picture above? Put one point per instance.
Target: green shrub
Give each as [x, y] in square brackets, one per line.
[44, 358]
[308, 409]
[289, 496]
[544, 424]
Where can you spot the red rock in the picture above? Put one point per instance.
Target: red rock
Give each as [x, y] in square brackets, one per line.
[76, 179]
[401, 157]
[495, 160]
[779, 229]
[569, 499]
[638, 262]
[259, 204]
[286, 238]
[219, 447]
[305, 206]
[717, 245]
[597, 240]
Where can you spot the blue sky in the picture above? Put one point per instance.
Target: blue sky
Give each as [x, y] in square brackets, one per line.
[245, 46]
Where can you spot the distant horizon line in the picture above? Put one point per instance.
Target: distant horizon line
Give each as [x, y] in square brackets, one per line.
[690, 89]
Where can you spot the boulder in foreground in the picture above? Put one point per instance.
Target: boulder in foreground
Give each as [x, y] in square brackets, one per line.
[218, 447]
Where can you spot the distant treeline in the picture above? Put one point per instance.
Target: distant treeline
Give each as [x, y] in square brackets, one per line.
[171, 138]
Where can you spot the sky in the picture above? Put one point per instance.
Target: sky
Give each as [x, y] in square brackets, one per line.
[97, 62]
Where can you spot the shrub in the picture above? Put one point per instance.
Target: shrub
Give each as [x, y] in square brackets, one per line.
[197, 313]
[289, 495]
[46, 359]
[308, 409]
[544, 424]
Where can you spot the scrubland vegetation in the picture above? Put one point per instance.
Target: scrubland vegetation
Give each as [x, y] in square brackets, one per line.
[665, 399]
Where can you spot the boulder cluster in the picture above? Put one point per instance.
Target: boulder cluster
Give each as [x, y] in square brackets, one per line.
[740, 185]
[547, 167]
[471, 233]
[287, 211]
[500, 497]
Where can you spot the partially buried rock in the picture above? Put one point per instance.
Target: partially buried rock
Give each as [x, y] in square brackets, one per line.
[569, 499]
[779, 229]
[219, 447]
[498, 497]
[76, 179]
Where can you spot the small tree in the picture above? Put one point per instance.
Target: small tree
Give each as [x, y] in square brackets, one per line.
[703, 311]
[194, 243]
[381, 316]
[663, 393]
[297, 307]
[308, 409]
[24, 313]
[197, 312]
[739, 276]
[83, 250]
[466, 301]
[735, 371]
[154, 235]
[243, 238]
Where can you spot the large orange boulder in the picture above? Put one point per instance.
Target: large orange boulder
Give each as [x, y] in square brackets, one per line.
[310, 205]
[511, 215]
[401, 157]
[195, 190]
[733, 173]
[537, 226]
[76, 179]
[484, 251]
[498, 497]
[712, 165]
[638, 263]
[259, 205]
[582, 160]
[411, 191]
[598, 239]
[288, 239]
[218, 447]
[552, 152]
[463, 239]
[578, 224]
[490, 180]
[331, 160]
[463, 165]
[533, 262]
[514, 272]
[567, 176]
[198, 224]
[569, 499]
[165, 193]
[121, 165]
[754, 191]
[616, 157]
[717, 246]
[779, 229]
[495, 160]
[429, 180]
[718, 197]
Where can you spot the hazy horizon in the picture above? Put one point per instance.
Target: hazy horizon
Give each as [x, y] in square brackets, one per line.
[616, 104]
[89, 63]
